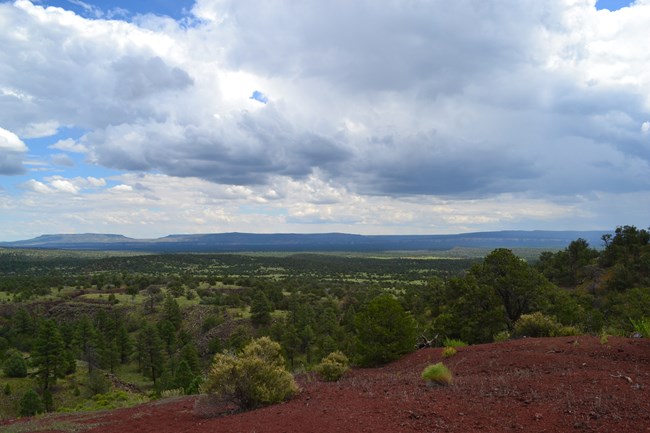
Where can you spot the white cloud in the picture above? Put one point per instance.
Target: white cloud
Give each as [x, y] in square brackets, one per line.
[9, 142]
[471, 107]
[122, 188]
[60, 184]
[69, 145]
[12, 153]
[645, 127]
[96, 182]
[64, 185]
[36, 186]
[62, 160]
[42, 129]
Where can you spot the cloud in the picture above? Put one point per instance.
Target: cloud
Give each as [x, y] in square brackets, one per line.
[122, 188]
[9, 142]
[60, 67]
[62, 160]
[69, 145]
[36, 186]
[537, 102]
[60, 184]
[42, 129]
[12, 152]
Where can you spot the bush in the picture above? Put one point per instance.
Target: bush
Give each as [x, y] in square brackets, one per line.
[437, 374]
[384, 331]
[452, 342]
[15, 365]
[642, 326]
[448, 352]
[255, 377]
[501, 336]
[568, 331]
[536, 325]
[30, 404]
[333, 366]
[97, 383]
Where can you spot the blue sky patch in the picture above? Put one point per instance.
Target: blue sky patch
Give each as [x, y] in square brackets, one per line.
[123, 9]
[260, 97]
[612, 5]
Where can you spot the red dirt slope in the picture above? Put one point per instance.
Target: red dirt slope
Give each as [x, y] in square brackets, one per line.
[532, 385]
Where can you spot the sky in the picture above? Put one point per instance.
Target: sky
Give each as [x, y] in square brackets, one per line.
[396, 117]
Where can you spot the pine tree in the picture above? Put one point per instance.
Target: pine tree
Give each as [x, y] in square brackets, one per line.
[172, 312]
[124, 344]
[190, 354]
[260, 309]
[184, 376]
[150, 352]
[49, 354]
[85, 342]
[167, 333]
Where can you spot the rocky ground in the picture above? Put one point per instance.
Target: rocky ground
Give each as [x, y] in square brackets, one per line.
[570, 384]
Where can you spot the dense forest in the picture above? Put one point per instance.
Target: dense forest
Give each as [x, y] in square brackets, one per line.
[99, 330]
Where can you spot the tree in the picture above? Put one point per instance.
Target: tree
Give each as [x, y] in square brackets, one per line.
[49, 354]
[172, 312]
[153, 297]
[517, 284]
[30, 404]
[150, 352]
[14, 365]
[190, 354]
[291, 343]
[184, 376]
[124, 344]
[260, 309]
[384, 331]
[167, 333]
[85, 341]
[254, 377]
[471, 312]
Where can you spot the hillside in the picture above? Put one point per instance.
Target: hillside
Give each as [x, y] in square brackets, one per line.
[229, 242]
[564, 384]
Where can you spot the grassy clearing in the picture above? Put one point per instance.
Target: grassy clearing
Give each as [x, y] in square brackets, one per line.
[242, 312]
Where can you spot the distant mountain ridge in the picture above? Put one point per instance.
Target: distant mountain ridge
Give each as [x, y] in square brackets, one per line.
[239, 242]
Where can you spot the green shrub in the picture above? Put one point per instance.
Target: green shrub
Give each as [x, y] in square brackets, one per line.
[536, 325]
[501, 337]
[384, 331]
[604, 337]
[15, 365]
[437, 374]
[448, 352]
[30, 404]
[452, 342]
[97, 383]
[642, 326]
[333, 366]
[255, 377]
[211, 321]
[568, 331]
[172, 392]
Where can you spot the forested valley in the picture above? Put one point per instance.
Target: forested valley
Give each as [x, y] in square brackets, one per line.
[93, 330]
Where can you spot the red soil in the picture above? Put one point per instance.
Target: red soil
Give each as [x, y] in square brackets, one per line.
[534, 385]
